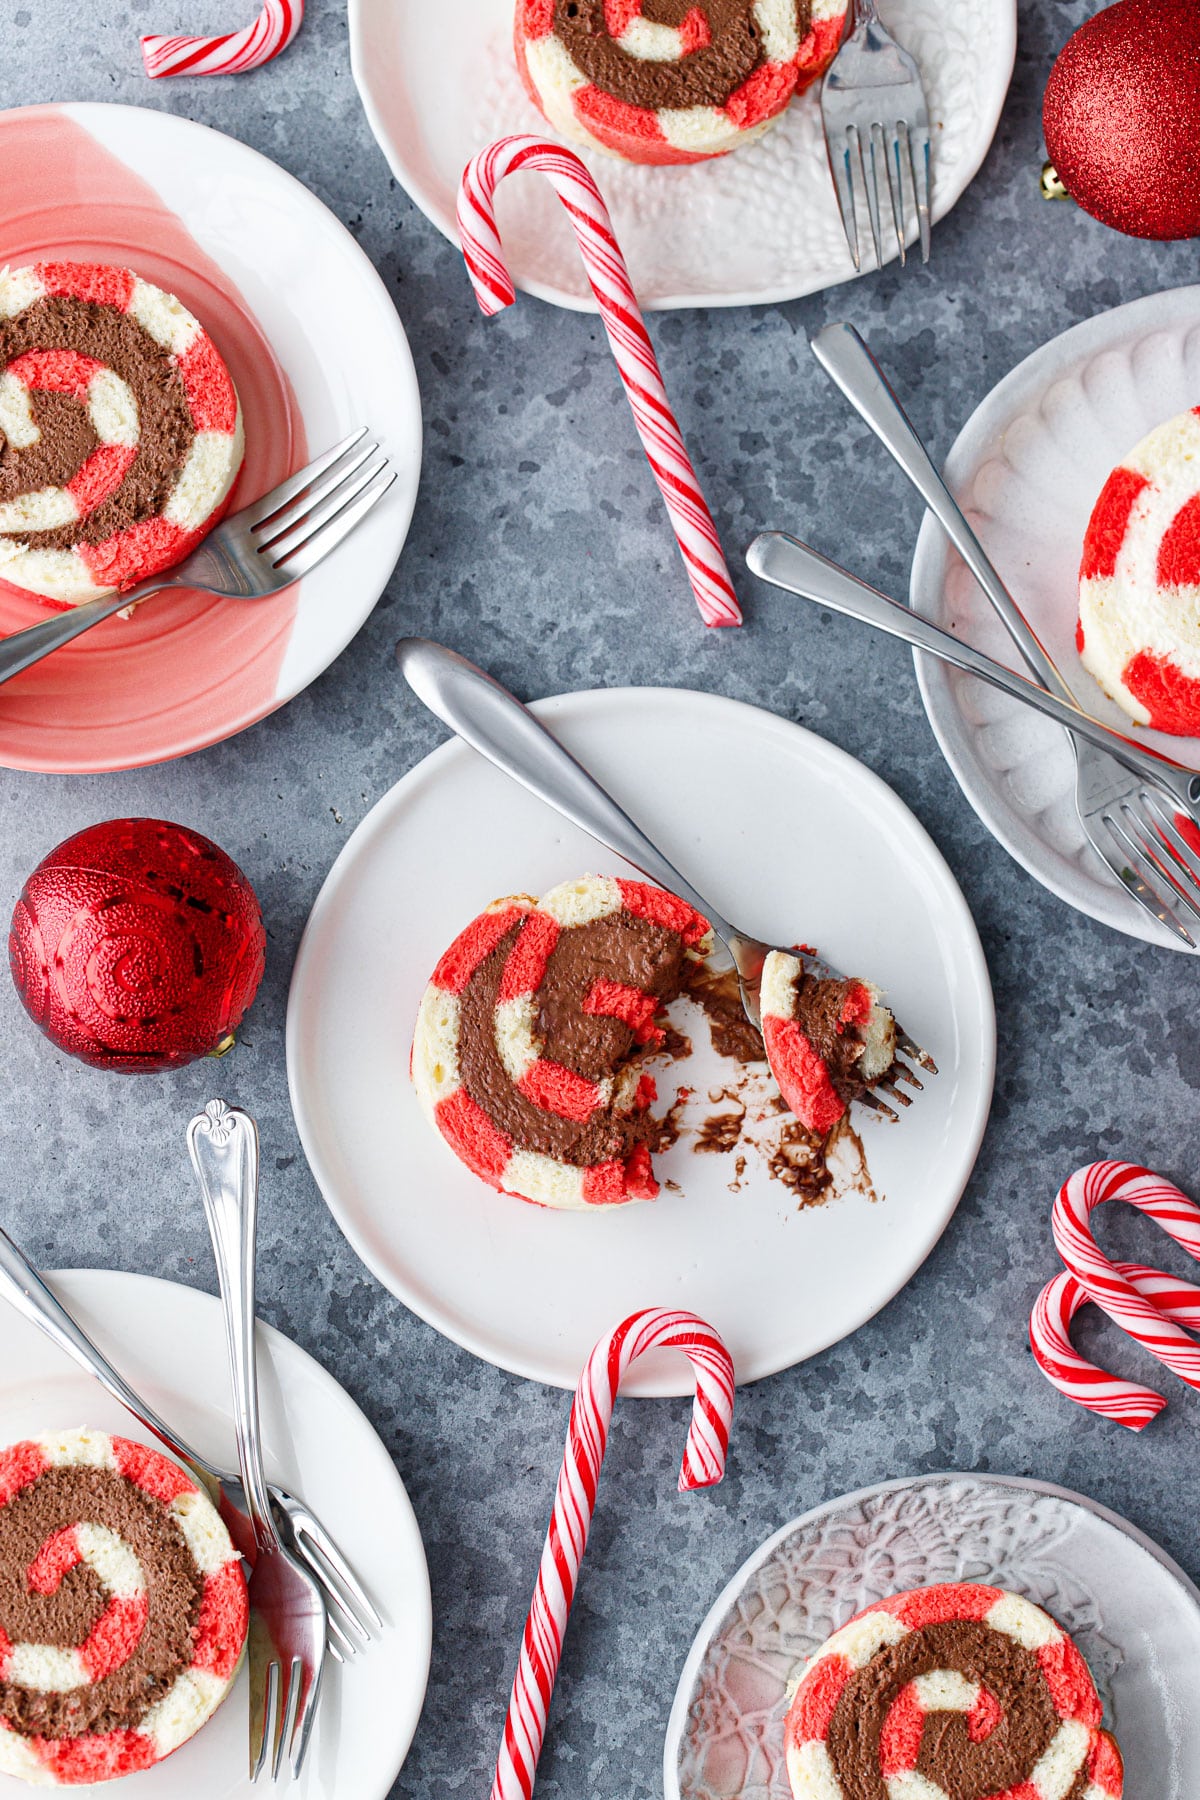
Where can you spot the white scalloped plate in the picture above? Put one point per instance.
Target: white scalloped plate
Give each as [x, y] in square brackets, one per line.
[1027, 468]
[439, 83]
[1132, 1611]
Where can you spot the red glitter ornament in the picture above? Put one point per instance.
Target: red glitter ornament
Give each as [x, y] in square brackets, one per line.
[1122, 117]
[137, 945]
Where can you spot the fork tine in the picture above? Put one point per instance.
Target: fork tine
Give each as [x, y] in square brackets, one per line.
[341, 1646]
[1170, 832]
[905, 1043]
[284, 518]
[1145, 835]
[326, 1560]
[842, 170]
[310, 518]
[918, 154]
[302, 1730]
[309, 554]
[293, 1677]
[1135, 883]
[268, 1722]
[296, 484]
[871, 185]
[902, 1072]
[890, 144]
[888, 1086]
[871, 1099]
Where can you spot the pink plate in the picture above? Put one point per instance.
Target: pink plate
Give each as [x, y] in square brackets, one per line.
[315, 349]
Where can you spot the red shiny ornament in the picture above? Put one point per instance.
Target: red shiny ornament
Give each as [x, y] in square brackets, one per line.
[1122, 117]
[137, 945]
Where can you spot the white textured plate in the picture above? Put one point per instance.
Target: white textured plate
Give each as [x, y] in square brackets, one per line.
[169, 1341]
[1027, 469]
[1132, 1611]
[794, 839]
[439, 83]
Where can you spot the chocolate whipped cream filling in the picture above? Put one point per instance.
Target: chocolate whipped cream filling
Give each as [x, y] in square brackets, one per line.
[67, 1496]
[999, 1764]
[705, 77]
[619, 948]
[67, 438]
[819, 1006]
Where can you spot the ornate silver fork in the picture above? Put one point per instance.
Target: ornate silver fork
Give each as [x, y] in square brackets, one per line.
[257, 551]
[873, 111]
[1128, 820]
[497, 725]
[287, 1613]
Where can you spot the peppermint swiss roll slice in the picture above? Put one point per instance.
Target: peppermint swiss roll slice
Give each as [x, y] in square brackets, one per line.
[122, 1608]
[826, 1039]
[671, 81]
[526, 1055]
[120, 430]
[959, 1692]
[1139, 581]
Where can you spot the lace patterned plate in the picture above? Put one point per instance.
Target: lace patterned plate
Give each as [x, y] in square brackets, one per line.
[439, 82]
[1027, 468]
[1132, 1611]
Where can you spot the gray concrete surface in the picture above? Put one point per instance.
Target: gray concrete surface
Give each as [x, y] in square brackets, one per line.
[1093, 1027]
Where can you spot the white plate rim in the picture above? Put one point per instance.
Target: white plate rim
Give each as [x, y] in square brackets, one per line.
[105, 1291]
[427, 202]
[533, 1367]
[1100, 900]
[677, 1720]
[343, 624]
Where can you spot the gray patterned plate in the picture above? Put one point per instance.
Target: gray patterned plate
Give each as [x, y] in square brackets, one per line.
[1132, 1611]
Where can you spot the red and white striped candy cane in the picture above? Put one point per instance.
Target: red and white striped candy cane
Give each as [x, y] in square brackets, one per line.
[575, 1500]
[272, 31]
[606, 271]
[1153, 1308]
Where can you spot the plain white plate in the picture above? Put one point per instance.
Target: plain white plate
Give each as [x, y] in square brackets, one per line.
[1027, 469]
[1132, 1611]
[169, 1341]
[791, 837]
[439, 83]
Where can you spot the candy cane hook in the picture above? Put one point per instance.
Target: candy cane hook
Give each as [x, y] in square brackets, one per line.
[272, 31]
[575, 1500]
[604, 264]
[1158, 1311]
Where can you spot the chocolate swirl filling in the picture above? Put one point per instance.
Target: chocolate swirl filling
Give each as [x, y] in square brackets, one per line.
[705, 77]
[60, 1498]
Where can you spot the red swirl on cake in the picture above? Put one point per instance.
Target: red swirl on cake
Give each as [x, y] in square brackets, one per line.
[1139, 581]
[671, 81]
[120, 430]
[826, 1040]
[959, 1692]
[122, 1608]
[525, 1039]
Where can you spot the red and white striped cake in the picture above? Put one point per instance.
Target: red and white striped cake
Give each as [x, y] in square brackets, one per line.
[1139, 581]
[524, 1055]
[120, 430]
[123, 1608]
[960, 1692]
[826, 1040]
[671, 81]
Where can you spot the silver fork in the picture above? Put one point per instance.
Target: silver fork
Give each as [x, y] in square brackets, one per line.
[352, 1618]
[256, 551]
[496, 724]
[1125, 818]
[287, 1613]
[873, 111]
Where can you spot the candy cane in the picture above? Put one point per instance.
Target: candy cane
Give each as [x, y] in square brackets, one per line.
[272, 31]
[609, 278]
[1152, 1307]
[575, 1500]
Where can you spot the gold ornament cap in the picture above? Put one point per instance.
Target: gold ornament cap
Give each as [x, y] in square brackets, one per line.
[1052, 185]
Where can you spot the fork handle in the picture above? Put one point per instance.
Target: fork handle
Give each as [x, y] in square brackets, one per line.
[223, 1143]
[25, 1290]
[21, 649]
[789, 564]
[848, 362]
[494, 722]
